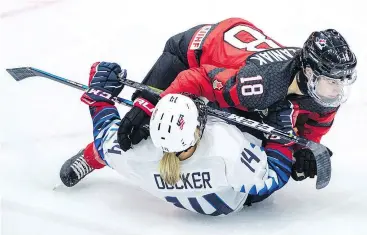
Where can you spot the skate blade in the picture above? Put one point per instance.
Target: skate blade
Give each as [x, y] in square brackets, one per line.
[58, 186]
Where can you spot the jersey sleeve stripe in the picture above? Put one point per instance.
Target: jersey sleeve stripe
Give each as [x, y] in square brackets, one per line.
[218, 203]
[226, 92]
[214, 72]
[195, 205]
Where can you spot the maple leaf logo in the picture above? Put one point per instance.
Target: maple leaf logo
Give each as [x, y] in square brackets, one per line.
[217, 85]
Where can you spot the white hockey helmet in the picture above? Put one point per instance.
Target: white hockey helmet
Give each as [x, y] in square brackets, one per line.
[174, 122]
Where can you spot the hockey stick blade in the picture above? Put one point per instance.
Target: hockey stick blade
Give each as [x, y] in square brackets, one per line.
[323, 164]
[25, 72]
[21, 73]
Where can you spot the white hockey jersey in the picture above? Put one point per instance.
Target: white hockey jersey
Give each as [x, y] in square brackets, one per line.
[225, 172]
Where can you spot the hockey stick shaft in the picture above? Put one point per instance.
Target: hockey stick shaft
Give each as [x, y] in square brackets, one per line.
[321, 154]
[25, 72]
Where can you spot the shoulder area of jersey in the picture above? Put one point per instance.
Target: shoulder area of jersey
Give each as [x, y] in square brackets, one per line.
[223, 134]
[275, 55]
[220, 124]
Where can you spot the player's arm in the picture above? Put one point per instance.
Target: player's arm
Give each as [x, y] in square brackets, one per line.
[103, 85]
[194, 81]
[317, 126]
[283, 117]
[244, 89]
[259, 172]
[310, 126]
[216, 84]
[278, 151]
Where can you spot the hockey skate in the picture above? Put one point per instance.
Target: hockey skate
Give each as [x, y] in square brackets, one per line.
[75, 169]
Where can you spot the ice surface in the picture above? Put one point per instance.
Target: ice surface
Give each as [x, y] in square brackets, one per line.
[43, 123]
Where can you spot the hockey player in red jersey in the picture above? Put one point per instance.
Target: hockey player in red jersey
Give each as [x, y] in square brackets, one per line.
[238, 67]
[234, 64]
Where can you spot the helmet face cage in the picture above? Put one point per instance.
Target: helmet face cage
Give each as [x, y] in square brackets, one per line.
[329, 65]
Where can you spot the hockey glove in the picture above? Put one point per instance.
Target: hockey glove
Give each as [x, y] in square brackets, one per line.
[280, 116]
[305, 165]
[134, 127]
[104, 83]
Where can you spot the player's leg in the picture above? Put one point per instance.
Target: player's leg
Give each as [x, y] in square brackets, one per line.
[80, 165]
[172, 61]
[133, 126]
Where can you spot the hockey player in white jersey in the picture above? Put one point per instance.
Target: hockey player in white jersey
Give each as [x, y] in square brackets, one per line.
[195, 162]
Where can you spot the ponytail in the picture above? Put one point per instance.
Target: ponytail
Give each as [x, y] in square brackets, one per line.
[169, 168]
[169, 165]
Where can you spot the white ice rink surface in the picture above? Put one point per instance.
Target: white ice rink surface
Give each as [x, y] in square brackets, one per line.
[42, 123]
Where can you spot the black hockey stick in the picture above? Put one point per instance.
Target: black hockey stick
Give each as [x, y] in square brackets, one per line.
[321, 153]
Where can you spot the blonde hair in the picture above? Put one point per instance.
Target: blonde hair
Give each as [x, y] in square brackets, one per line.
[170, 167]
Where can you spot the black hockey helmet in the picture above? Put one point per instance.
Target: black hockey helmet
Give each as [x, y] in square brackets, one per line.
[329, 67]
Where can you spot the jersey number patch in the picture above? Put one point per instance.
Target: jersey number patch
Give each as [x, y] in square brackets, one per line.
[252, 89]
[254, 39]
[249, 159]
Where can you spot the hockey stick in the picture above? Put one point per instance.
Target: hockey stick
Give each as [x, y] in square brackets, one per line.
[25, 72]
[321, 153]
